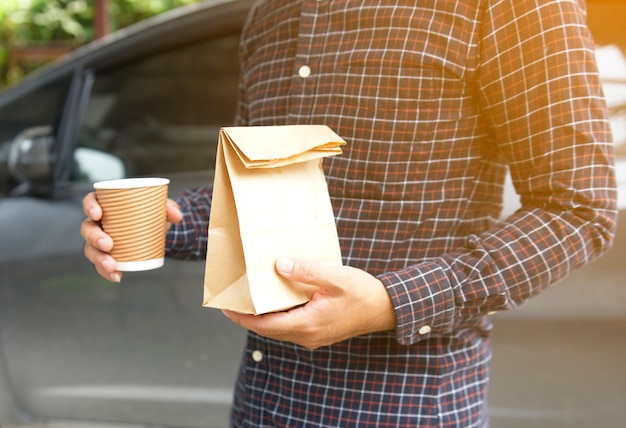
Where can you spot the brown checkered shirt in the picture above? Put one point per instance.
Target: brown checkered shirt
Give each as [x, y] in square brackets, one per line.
[436, 99]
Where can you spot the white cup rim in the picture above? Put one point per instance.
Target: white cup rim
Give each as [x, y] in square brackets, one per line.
[131, 183]
[140, 265]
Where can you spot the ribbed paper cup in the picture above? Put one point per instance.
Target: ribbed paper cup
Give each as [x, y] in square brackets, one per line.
[133, 214]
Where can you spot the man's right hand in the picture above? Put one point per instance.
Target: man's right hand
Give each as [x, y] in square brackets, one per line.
[98, 244]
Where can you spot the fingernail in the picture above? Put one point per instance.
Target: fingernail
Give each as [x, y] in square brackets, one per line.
[284, 265]
[115, 277]
[101, 244]
[92, 213]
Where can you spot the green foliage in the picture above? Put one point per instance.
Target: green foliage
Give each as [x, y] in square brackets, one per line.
[126, 12]
[49, 20]
[69, 23]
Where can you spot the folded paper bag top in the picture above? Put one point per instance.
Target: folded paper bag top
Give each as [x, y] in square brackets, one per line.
[270, 200]
[274, 146]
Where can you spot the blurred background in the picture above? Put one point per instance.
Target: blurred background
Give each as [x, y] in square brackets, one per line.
[558, 360]
[34, 32]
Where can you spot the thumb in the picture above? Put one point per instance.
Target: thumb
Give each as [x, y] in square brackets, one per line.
[174, 215]
[306, 272]
[284, 266]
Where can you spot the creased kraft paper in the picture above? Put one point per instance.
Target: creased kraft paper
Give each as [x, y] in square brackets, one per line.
[270, 200]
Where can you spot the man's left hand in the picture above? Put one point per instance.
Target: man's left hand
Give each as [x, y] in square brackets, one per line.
[349, 302]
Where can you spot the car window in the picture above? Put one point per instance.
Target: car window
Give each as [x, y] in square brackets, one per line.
[161, 114]
[40, 107]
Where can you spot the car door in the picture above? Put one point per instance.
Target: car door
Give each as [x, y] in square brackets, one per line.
[76, 347]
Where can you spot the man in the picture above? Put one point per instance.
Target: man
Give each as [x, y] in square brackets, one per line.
[435, 100]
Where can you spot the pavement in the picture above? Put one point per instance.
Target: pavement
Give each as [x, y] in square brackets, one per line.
[558, 360]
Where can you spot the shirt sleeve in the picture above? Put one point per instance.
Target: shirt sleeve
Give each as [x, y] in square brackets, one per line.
[187, 240]
[541, 95]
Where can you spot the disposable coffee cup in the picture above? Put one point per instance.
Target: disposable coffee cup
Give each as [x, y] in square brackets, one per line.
[133, 214]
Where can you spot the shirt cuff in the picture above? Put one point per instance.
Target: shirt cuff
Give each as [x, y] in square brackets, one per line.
[423, 301]
[187, 240]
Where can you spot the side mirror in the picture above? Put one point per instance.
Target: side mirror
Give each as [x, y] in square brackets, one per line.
[30, 158]
[94, 165]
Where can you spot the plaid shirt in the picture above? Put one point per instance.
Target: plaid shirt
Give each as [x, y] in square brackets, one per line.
[435, 99]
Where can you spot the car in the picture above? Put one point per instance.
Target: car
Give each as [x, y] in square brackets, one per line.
[146, 101]
[77, 350]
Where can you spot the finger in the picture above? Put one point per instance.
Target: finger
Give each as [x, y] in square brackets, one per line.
[103, 262]
[277, 325]
[241, 320]
[97, 246]
[91, 207]
[94, 236]
[174, 215]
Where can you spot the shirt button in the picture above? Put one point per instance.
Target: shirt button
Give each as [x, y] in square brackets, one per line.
[425, 329]
[304, 71]
[257, 356]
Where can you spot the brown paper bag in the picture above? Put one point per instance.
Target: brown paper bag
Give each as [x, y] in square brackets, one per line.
[270, 200]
